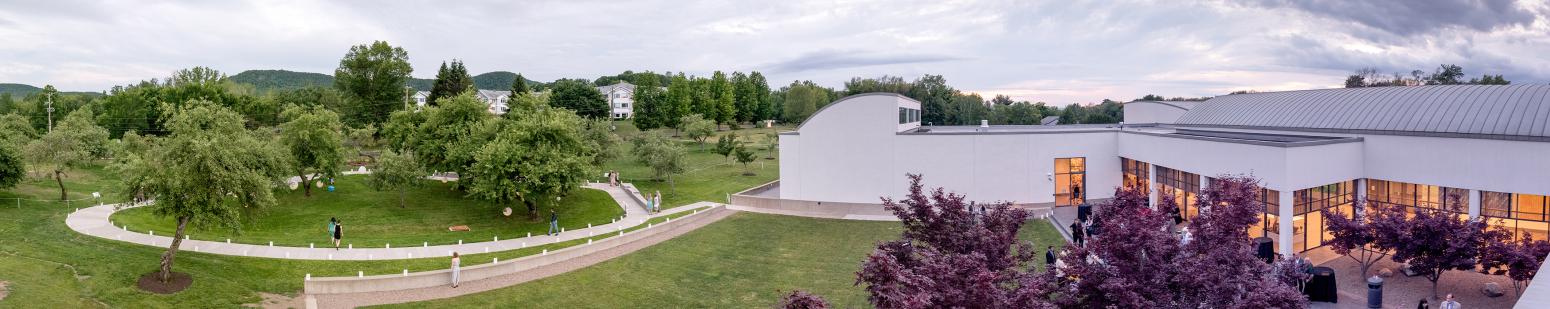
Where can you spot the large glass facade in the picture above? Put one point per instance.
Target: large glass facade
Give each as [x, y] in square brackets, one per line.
[1137, 174]
[1070, 181]
[1518, 213]
[1183, 186]
[1308, 230]
[908, 115]
[1414, 196]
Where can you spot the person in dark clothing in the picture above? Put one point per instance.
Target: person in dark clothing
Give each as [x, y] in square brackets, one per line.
[1178, 218]
[338, 234]
[1076, 233]
[1049, 257]
[554, 223]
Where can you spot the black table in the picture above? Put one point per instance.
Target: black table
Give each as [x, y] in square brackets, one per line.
[1322, 286]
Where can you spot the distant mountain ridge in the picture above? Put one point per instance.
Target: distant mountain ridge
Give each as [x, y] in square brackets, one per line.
[19, 91]
[270, 80]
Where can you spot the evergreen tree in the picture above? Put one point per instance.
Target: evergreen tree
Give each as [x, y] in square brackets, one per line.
[451, 80]
[518, 87]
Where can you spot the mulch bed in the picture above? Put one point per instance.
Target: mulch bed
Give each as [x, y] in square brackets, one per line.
[152, 283]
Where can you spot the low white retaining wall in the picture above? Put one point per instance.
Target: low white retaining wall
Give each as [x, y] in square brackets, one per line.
[425, 279]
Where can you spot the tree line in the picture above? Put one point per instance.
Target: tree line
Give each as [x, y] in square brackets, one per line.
[210, 151]
[1446, 74]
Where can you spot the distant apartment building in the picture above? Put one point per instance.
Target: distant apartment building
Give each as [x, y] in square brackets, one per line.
[621, 99]
[495, 99]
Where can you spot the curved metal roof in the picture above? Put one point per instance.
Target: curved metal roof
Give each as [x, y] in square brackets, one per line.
[1509, 112]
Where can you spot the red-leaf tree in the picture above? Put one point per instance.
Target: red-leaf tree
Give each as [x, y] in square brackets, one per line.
[1218, 268]
[1136, 263]
[1520, 259]
[1434, 241]
[799, 299]
[1128, 265]
[950, 256]
[1365, 238]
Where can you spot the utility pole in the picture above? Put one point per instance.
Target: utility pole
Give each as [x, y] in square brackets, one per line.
[49, 100]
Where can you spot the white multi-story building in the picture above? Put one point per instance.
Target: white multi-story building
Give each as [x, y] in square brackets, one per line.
[496, 99]
[621, 99]
[1488, 147]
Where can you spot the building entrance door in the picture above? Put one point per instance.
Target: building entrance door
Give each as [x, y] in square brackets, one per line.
[1070, 181]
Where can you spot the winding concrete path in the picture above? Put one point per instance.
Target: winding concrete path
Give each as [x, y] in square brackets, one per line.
[94, 221]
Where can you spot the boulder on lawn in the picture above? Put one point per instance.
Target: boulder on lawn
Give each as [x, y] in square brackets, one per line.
[1492, 289]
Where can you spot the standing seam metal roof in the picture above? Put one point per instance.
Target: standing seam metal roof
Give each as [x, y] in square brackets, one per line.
[1511, 110]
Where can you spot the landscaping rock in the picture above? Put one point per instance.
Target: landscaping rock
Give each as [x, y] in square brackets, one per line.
[1386, 272]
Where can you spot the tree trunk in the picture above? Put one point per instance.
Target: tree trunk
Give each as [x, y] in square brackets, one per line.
[401, 194]
[532, 211]
[59, 176]
[306, 184]
[166, 258]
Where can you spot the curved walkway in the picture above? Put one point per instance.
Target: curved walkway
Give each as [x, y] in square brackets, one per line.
[94, 221]
[350, 292]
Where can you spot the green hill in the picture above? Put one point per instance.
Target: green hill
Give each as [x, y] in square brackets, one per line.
[269, 80]
[19, 90]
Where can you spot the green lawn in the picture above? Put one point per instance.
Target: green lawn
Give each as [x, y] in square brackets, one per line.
[743, 261]
[708, 176]
[373, 218]
[49, 266]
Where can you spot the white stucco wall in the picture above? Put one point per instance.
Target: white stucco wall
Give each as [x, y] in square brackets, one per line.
[852, 152]
[1155, 112]
[1208, 158]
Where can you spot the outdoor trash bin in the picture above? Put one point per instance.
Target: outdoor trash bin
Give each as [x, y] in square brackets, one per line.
[1374, 292]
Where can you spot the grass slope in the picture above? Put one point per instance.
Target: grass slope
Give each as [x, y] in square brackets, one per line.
[707, 176]
[743, 261]
[373, 218]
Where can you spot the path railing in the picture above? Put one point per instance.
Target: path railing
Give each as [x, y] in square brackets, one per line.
[407, 280]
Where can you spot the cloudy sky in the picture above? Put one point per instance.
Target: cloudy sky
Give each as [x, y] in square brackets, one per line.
[1050, 51]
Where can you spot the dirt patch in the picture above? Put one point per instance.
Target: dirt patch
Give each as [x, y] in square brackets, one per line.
[5, 289]
[278, 301]
[151, 283]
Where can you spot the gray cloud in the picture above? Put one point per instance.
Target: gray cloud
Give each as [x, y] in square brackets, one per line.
[1414, 17]
[834, 59]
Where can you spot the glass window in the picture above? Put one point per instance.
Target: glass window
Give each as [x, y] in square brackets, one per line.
[1182, 186]
[1070, 181]
[1415, 196]
[1518, 213]
[1137, 174]
[1308, 205]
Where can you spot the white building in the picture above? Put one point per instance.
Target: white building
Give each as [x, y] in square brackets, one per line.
[497, 99]
[621, 99]
[1489, 146]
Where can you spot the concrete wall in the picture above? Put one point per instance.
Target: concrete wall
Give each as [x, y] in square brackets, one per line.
[842, 153]
[473, 271]
[1015, 168]
[1208, 158]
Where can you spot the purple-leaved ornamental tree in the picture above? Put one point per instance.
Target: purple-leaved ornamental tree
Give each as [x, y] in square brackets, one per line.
[1359, 238]
[1520, 259]
[1434, 241]
[800, 299]
[1135, 262]
[1218, 268]
[1127, 266]
[950, 256]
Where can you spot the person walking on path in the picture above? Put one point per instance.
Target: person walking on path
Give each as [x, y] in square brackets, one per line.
[1049, 256]
[554, 223]
[332, 223]
[1450, 303]
[456, 268]
[656, 202]
[338, 233]
[1423, 305]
